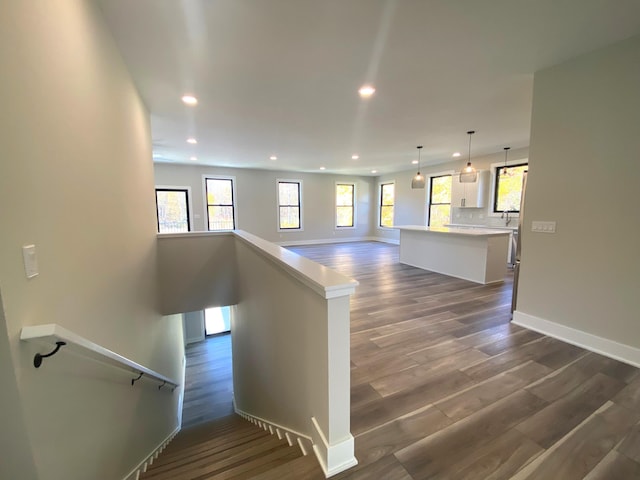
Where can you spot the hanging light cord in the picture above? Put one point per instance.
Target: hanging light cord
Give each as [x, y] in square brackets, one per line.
[505, 170]
[419, 150]
[470, 132]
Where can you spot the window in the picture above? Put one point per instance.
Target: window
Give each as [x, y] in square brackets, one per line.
[508, 188]
[289, 215]
[439, 200]
[387, 194]
[345, 195]
[172, 208]
[220, 203]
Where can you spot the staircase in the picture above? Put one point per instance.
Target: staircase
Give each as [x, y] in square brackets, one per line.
[232, 448]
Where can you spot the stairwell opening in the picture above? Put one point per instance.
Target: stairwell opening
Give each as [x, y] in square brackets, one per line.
[208, 392]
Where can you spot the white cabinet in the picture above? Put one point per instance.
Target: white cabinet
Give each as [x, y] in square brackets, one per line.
[470, 195]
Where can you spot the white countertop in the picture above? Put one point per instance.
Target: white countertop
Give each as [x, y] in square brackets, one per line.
[471, 232]
[487, 227]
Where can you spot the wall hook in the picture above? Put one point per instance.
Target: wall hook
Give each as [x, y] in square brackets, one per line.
[134, 380]
[37, 360]
[163, 384]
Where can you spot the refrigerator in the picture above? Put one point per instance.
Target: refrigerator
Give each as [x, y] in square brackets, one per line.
[516, 269]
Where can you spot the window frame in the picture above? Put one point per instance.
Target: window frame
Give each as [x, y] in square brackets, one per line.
[495, 169]
[175, 188]
[206, 177]
[380, 205]
[449, 173]
[300, 203]
[353, 206]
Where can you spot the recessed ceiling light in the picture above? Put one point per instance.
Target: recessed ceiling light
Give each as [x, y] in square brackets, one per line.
[322, 168]
[273, 157]
[366, 91]
[456, 154]
[415, 162]
[355, 156]
[193, 158]
[374, 171]
[192, 140]
[189, 100]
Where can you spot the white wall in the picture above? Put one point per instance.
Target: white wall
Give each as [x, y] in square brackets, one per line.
[257, 203]
[584, 174]
[189, 278]
[291, 355]
[76, 180]
[194, 329]
[17, 458]
[290, 331]
[411, 205]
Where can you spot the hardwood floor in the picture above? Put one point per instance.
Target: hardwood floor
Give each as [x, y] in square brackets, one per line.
[226, 448]
[443, 386]
[208, 382]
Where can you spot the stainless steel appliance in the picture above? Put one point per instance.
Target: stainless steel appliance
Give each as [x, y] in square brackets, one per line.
[516, 270]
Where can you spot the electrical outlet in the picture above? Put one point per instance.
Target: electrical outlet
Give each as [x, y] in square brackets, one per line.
[543, 227]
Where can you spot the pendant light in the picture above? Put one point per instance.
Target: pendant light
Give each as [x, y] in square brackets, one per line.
[418, 180]
[505, 171]
[468, 173]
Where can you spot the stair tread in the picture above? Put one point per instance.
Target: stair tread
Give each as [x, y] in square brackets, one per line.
[259, 464]
[206, 449]
[216, 426]
[306, 468]
[231, 448]
[221, 461]
[193, 440]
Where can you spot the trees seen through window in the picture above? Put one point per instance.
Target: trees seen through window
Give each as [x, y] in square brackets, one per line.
[508, 188]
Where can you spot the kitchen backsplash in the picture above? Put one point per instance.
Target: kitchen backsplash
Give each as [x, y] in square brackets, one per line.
[478, 216]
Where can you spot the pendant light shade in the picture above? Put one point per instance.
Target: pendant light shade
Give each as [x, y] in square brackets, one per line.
[505, 171]
[418, 180]
[468, 173]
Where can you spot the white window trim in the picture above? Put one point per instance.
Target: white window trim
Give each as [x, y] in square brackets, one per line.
[204, 199]
[428, 190]
[289, 230]
[355, 202]
[386, 182]
[189, 200]
[492, 186]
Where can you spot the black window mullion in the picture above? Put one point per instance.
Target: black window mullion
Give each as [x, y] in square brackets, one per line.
[232, 204]
[186, 203]
[293, 205]
[496, 186]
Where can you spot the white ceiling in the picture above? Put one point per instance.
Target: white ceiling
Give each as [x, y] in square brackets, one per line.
[280, 77]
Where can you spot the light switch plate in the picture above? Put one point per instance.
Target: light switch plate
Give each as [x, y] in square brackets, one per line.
[30, 260]
[543, 227]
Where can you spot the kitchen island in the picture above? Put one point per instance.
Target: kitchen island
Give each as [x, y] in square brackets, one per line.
[474, 254]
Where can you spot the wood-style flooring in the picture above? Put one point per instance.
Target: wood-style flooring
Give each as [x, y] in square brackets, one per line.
[208, 392]
[443, 386]
[228, 448]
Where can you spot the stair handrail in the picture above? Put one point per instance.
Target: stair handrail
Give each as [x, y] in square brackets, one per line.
[61, 338]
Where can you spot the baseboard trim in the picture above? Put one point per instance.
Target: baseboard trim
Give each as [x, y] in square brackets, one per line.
[603, 346]
[295, 243]
[335, 458]
[322, 241]
[303, 441]
[144, 464]
[393, 241]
